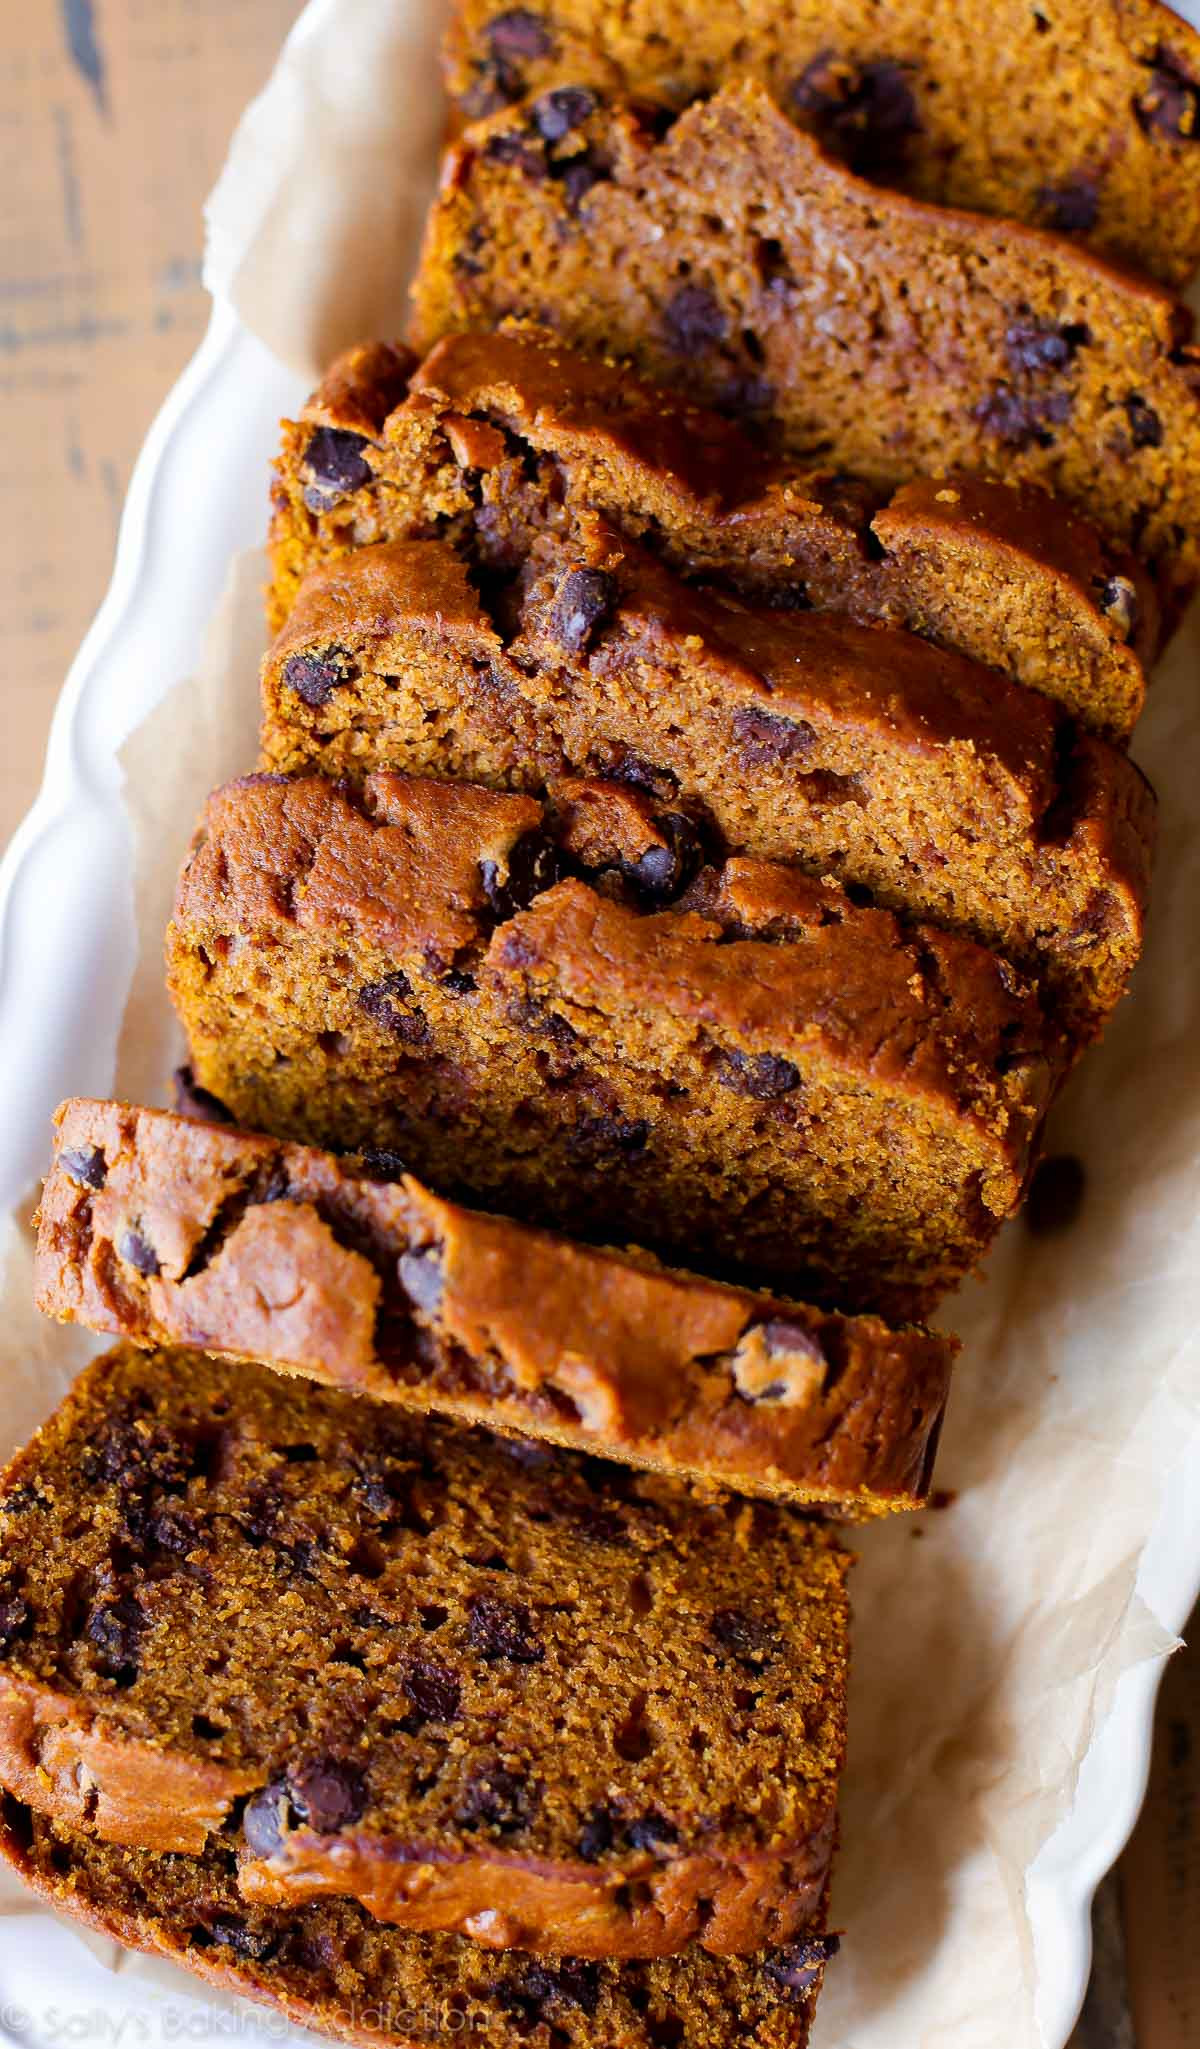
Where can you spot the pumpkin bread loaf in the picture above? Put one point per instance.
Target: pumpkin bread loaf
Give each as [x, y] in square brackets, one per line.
[329, 1966]
[860, 752]
[732, 258]
[166, 1231]
[1080, 117]
[481, 1686]
[760, 1077]
[498, 437]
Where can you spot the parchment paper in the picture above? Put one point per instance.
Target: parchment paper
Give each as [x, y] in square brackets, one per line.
[989, 1635]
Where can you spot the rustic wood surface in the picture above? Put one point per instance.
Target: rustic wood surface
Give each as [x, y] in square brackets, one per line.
[114, 118]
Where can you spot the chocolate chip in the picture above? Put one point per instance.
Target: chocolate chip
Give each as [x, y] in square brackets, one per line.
[137, 1252]
[578, 176]
[1055, 1196]
[257, 1945]
[1037, 346]
[590, 1136]
[1022, 418]
[798, 1967]
[519, 33]
[193, 1101]
[381, 1003]
[596, 1835]
[86, 1164]
[503, 1630]
[314, 678]
[791, 1339]
[663, 872]
[433, 1692]
[1118, 600]
[532, 866]
[16, 1618]
[1073, 207]
[651, 1832]
[498, 1799]
[571, 1982]
[382, 1163]
[1168, 105]
[519, 151]
[422, 1279]
[752, 1642]
[865, 113]
[767, 736]
[328, 1793]
[264, 1819]
[115, 1630]
[694, 320]
[334, 461]
[583, 602]
[172, 1529]
[1145, 427]
[556, 113]
[761, 1075]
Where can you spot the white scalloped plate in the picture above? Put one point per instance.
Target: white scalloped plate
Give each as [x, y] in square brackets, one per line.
[66, 959]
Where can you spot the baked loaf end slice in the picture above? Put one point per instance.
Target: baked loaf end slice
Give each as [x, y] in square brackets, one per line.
[329, 1966]
[1079, 118]
[481, 1687]
[166, 1231]
[761, 1078]
[870, 331]
[503, 436]
[859, 751]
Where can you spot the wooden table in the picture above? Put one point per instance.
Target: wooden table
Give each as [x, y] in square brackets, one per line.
[114, 117]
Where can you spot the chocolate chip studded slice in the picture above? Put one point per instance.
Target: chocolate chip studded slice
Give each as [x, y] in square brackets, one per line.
[419, 1703]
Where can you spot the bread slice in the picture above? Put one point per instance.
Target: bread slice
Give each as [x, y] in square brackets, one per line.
[329, 1966]
[481, 1687]
[498, 438]
[163, 1230]
[761, 1078]
[1080, 117]
[733, 259]
[862, 753]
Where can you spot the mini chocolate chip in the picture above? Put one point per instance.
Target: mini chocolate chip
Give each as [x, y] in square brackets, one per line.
[628, 1136]
[866, 113]
[798, 1967]
[422, 1279]
[334, 461]
[753, 1643]
[663, 872]
[767, 736]
[193, 1101]
[781, 1337]
[434, 1693]
[761, 1075]
[115, 1630]
[1073, 207]
[503, 1630]
[255, 1944]
[328, 1793]
[86, 1164]
[138, 1252]
[578, 176]
[382, 1163]
[1036, 346]
[519, 33]
[522, 152]
[651, 1832]
[1055, 1196]
[596, 1835]
[1021, 418]
[264, 1819]
[583, 602]
[1118, 600]
[532, 866]
[556, 113]
[1168, 106]
[16, 1618]
[571, 1981]
[314, 678]
[1145, 427]
[172, 1529]
[694, 320]
[381, 1003]
[497, 1798]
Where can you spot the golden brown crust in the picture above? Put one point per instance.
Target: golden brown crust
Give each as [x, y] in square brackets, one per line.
[1020, 355]
[607, 1068]
[1081, 118]
[504, 435]
[252, 1241]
